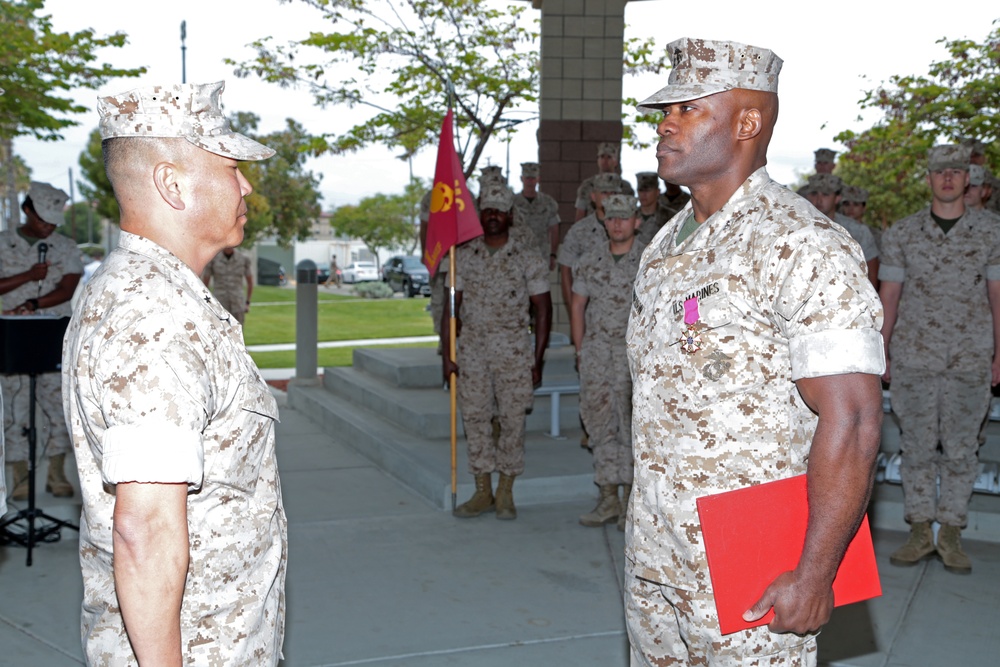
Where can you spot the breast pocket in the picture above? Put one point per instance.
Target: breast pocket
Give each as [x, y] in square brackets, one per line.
[716, 361]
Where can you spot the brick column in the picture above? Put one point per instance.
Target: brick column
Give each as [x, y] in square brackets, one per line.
[582, 44]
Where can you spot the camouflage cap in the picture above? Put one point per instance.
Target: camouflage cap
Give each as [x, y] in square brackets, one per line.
[854, 195]
[825, 155]
[530, 169]
[620, 206]
[48, 202]
[977, 146]
[804, 190]
[703, 67]
[647, 180]
[496, 196]
[607, 182]
[826, 184]
[608, 148]
[977, 174]
[948, 156]
[491, 173]
[188, 111]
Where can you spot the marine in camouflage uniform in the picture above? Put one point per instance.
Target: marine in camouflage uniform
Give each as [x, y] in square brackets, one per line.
[29, 286]
[749, 313]
[824, 192]
[172, 424]
[497, 277]
[602, 296]
[942, 299]
[607, 163]
[539, 211]
[585, 234]
[231, 270]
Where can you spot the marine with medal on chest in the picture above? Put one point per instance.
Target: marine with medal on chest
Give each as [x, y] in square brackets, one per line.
[755, 354]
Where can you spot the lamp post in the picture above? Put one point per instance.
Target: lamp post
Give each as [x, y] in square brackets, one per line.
[183, 52]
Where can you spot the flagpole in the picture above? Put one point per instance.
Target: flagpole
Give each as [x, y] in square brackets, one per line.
[452, 331]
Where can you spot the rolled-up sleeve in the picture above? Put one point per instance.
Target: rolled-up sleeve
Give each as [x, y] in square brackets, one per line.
[826, 307]
[155, 401]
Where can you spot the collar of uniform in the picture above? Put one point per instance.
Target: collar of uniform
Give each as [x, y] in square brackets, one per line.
[178, 269]
[712, 232]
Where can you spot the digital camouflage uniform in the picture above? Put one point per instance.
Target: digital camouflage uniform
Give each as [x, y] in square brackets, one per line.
[605, 381]
[583, 200]
[495, 352]
[17, 256]
[782, 295]
[585, 235]
[941, 350]
[229, 276]
[539, 215]
[861, 233]
[159, 388]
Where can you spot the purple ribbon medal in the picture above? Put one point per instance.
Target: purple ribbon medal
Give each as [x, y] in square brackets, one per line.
[691, 338]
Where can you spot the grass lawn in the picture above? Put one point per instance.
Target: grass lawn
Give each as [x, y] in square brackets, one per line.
[272, 320]
[328, 356]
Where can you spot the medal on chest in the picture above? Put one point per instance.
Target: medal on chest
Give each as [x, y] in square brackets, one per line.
[690, 340]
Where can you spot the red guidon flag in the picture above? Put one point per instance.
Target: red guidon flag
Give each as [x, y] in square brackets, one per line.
[453, 218]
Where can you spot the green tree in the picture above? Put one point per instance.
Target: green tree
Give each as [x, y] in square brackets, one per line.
[38, 68]
[958, 98]
[381, 220]
[410, 56]
[82, 223]
[642, 56]
[96, 187]
[285, 201]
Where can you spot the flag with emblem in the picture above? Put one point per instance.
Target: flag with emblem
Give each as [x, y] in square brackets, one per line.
[453, 218]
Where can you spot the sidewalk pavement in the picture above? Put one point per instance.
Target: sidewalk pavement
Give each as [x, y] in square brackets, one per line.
[377, 577]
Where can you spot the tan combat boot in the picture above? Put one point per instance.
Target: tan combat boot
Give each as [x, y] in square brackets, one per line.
[608, 508]
[919, 546]
[20, 474]
[626, 496]
[56, 482]
[481, 501]
[949, 549]
[505, 498]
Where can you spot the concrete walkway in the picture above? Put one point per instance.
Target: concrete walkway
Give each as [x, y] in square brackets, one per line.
[378, 577]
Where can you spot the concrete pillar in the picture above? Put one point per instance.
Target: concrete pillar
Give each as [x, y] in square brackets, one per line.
[582, 47]
[306, 322]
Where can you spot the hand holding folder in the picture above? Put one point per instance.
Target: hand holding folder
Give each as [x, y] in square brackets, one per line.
[753, 535]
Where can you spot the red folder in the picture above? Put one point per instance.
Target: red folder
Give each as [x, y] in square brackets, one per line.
[754, 534]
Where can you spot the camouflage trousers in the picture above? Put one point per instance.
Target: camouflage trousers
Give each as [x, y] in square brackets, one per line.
[670, 626]
[949, 409]
[606, 408]
[439, 297]
[235, 302]
[53, 436]
[494, 379]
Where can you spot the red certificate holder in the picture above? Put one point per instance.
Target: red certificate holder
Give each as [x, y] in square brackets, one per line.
[754, 534]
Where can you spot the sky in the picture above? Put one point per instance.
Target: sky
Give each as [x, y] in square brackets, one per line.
[831, 54]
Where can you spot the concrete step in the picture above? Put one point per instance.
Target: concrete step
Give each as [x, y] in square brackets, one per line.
[426, 412]
[557, 470]
[420, 367]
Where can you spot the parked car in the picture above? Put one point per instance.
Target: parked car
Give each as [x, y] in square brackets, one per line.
[270, 272]
[322, 274]
[359, 272]
[407, 274]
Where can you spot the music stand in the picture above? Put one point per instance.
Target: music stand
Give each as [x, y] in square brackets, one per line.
[43, 336]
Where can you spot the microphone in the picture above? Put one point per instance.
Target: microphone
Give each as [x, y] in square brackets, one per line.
[43, 250]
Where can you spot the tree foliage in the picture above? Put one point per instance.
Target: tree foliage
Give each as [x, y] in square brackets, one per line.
[82, 224]
[286, 197]
[39, 66]
[96, 188]
[382, 221]
[959, 98]
[411, 56]
[641, 56]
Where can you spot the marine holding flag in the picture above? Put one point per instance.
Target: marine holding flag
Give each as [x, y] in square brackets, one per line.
[497, 277]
